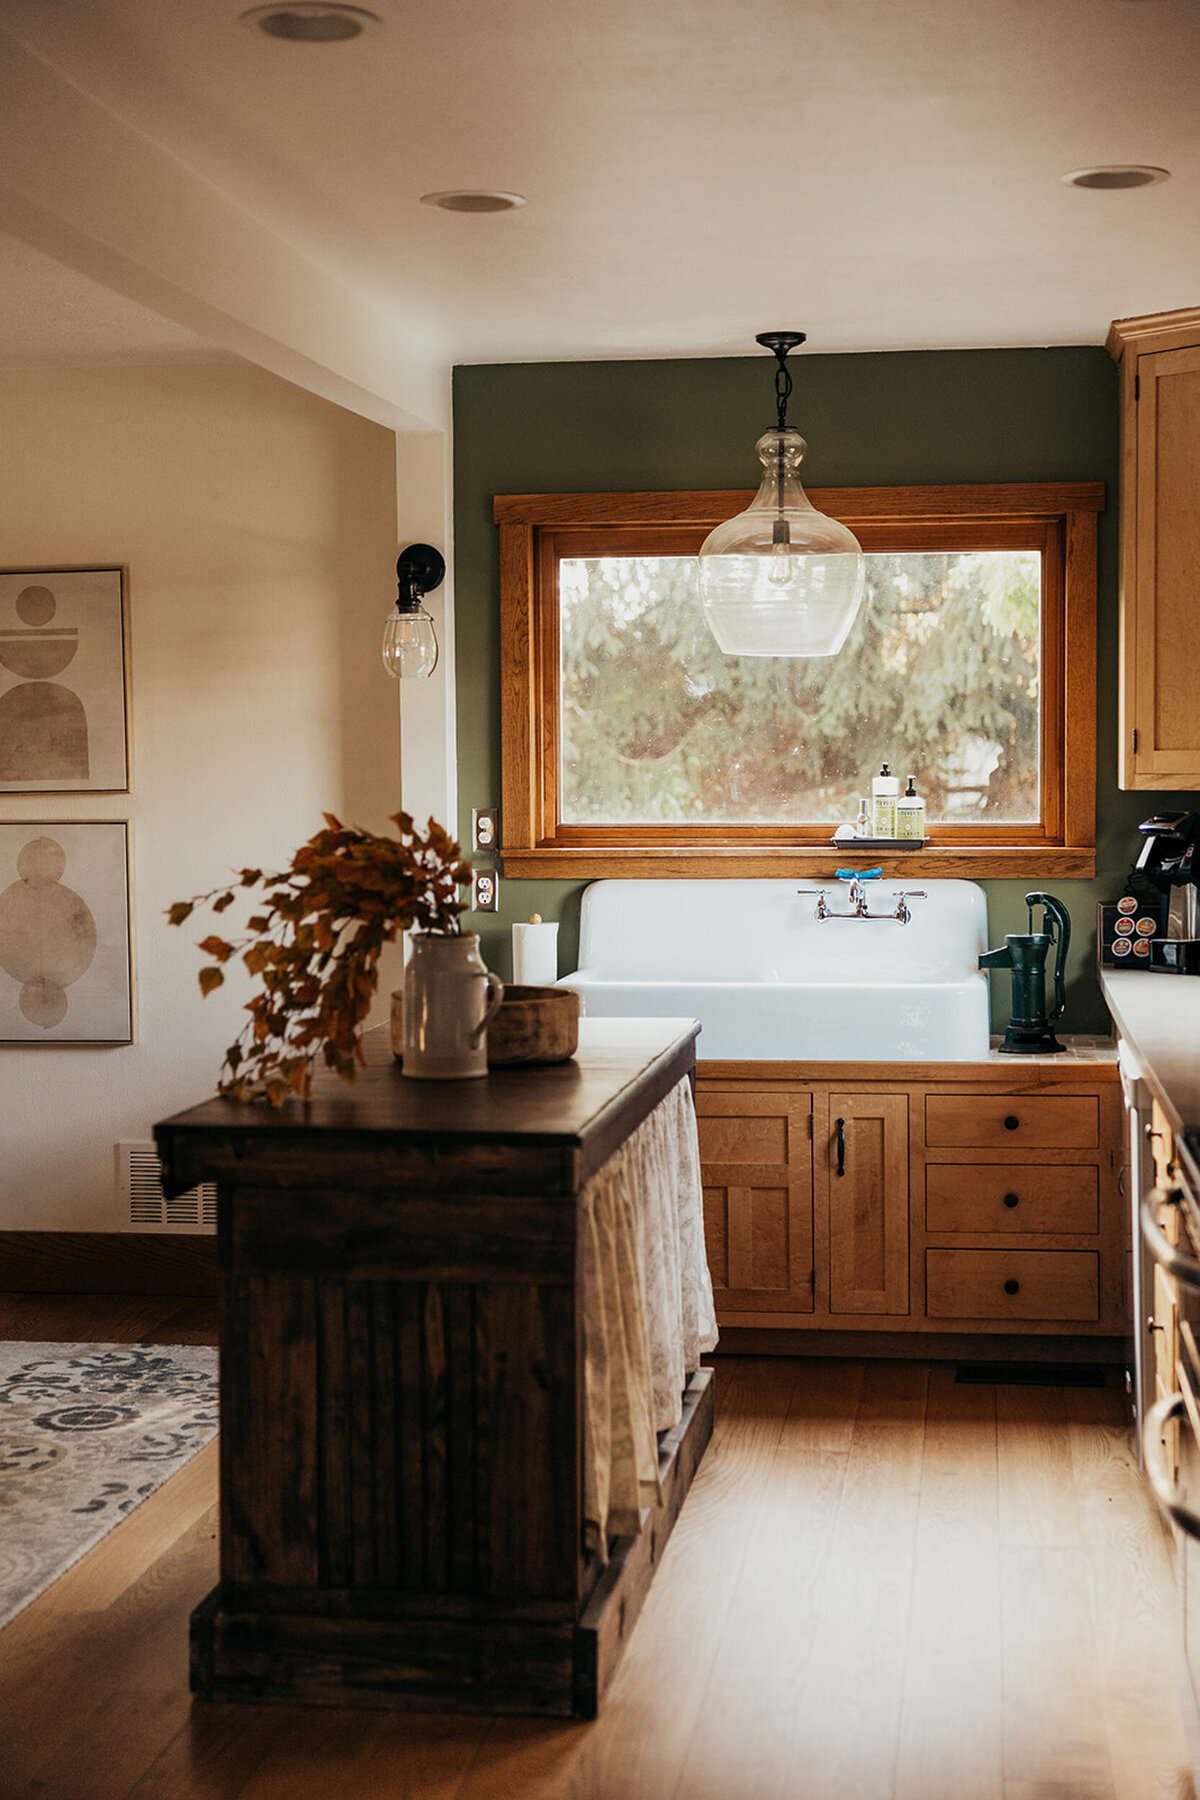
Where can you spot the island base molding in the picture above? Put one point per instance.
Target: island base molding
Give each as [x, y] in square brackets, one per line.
[417, 1652]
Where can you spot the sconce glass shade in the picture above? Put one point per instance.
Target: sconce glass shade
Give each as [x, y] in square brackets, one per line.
[781, 579]
[409, 644]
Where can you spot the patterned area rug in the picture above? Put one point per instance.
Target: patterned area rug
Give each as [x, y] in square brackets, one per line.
[87, 1431]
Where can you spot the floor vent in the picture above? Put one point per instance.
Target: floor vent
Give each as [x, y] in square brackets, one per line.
[1075, 1375]
[144, 1206]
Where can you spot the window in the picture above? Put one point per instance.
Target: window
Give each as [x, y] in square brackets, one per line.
[633, 745]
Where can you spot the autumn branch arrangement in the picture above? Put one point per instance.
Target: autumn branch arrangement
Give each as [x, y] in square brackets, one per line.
[315, 945]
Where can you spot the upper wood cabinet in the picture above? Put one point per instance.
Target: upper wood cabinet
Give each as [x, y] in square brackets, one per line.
[1160, 548]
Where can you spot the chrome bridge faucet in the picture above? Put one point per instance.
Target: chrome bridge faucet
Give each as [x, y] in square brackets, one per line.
[859, 909]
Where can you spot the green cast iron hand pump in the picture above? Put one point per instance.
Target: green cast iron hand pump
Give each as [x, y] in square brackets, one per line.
[1025, 954]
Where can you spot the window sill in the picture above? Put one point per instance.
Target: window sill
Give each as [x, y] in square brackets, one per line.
[973, 862]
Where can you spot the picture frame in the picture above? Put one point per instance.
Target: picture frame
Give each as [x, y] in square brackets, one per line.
[64, 681]
[66, 950]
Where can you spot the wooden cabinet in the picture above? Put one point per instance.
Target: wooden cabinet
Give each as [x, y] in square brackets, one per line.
[865, 1194]
[756, 1155]
[1160, 547]
[938, 1198]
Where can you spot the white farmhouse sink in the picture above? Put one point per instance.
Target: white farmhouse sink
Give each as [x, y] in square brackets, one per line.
[767, 979]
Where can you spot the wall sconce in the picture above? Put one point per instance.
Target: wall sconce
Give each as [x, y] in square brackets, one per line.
[781, 579]
[410, 646]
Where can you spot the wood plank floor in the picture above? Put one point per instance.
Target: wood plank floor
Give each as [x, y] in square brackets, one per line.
[882, 1584]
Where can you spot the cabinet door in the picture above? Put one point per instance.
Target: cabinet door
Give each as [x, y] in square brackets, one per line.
[756, 1170]
[866, 1160]
[1159, 568]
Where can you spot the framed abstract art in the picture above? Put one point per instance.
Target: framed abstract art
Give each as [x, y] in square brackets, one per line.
[65, 953]
[63, 682]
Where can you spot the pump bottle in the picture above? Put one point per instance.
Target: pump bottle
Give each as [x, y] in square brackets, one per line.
[884, 791]
[910, 813]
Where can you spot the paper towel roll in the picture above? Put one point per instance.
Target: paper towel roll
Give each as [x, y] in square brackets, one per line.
[535, 955]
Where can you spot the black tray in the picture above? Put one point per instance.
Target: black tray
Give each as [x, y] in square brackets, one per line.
[874, 843]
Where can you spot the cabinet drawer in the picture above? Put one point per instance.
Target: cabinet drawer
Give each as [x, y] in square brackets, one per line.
[1011, 1197]
[1012, 1284]
[1162, 1146]
[1049, 1121]
[1164, 1328]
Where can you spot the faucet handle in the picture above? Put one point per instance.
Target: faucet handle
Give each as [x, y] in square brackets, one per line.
[902, 898]
[822, 907]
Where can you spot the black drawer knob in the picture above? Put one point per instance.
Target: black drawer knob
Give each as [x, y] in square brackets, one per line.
[1012, 1199]
[1011, 1286]
[1012, 1122]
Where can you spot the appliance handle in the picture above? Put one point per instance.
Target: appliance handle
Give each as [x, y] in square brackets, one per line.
[1060, 931]
[1154, 1460]
[1185, 1269]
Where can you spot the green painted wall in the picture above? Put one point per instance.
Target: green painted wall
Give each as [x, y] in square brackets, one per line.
[875, 420]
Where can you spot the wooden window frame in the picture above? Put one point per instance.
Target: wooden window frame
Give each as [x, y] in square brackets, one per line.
[1058, 518]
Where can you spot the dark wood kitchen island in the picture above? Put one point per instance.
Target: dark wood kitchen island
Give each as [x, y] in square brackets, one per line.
[402, 1384]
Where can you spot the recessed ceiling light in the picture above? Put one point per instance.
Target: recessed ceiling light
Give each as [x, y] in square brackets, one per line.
[473, 200]
[311, 21]
[1119, 175]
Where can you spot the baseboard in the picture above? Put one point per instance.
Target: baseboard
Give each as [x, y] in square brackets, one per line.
[924, 1346]
[107, 1262]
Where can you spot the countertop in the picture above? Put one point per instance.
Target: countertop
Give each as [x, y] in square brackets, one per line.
[1160, 1016]
[569, 1116]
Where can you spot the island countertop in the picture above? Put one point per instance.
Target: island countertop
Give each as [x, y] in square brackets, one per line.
[561, 1120]
[1160, 1016]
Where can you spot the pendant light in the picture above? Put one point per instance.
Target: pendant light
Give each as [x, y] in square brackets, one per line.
[781, 579]
[410, 646]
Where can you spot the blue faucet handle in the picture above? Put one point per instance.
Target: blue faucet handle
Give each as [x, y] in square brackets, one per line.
[857, 874]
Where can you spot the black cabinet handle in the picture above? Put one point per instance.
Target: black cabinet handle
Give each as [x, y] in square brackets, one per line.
[1011, 1286]
[840, 1128]
[1012, 1122]
[1012, 1199]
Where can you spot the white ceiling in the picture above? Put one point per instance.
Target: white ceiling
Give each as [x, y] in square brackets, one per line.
[880, 175]
[48, 310]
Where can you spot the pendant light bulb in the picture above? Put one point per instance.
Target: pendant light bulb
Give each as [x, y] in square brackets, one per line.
[781, 579]
[780, 569]
[410, 646]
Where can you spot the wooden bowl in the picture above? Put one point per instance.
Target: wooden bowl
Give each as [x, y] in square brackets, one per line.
[535, 1025]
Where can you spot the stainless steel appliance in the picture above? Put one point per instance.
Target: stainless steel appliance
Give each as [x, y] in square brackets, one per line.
[1171, 1436]
[1139, 1176]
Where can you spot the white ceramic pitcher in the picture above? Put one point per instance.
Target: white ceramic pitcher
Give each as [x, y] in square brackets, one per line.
[449, 996]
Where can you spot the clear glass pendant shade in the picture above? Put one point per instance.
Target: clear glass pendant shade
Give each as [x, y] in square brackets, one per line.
[781, 579]
[409, 644]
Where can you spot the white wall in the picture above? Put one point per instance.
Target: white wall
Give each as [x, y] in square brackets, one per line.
[258, 525]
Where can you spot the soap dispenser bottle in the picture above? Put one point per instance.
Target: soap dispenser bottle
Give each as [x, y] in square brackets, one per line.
[885, 789]
[910, 813]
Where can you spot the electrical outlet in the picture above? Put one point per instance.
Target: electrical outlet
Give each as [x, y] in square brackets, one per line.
[485, 828]
[485, 891]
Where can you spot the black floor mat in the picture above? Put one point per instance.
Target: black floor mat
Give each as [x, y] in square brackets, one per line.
[1076, 1375]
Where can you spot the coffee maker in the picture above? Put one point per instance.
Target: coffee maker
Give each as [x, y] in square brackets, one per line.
[1169, 862]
